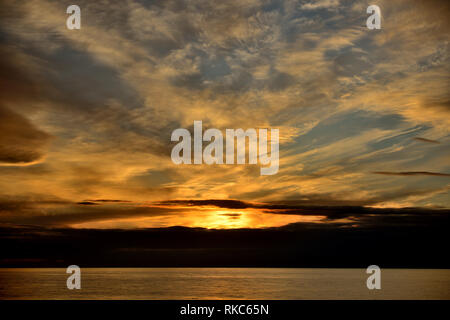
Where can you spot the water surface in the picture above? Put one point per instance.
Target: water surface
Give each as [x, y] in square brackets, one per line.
[224, 283]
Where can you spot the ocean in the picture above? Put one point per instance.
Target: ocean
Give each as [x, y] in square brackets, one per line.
[223, 283]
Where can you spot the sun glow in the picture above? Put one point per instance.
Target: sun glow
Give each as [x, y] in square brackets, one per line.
[204, 217]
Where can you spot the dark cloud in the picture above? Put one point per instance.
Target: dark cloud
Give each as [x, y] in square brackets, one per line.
[190, 81]
[62, 213]
[359, 214]
[426, 140]
[351, 64]
[306, 208]
[101, 201]
[21, 142]
[439, 104]
[11, 207]
[231, 214]
[229, 204]
[54, 212]
[412, 173]
[18, 85]
[280, 81]
[87, 203]
[109, 200]
[335, 200]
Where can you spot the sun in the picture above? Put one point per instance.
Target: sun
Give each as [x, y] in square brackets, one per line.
[227, 219]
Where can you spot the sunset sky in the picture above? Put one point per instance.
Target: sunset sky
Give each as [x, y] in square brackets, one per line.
[86, 115]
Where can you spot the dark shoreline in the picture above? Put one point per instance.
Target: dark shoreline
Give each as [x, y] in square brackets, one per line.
[304, 245]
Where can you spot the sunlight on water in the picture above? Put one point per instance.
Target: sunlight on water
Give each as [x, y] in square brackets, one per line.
[223, 283]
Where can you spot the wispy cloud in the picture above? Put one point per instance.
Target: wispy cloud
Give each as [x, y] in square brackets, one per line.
[413, 173]
[88, 114]
[426, 140]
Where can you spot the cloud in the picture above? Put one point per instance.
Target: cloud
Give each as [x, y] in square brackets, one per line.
[321, 4]
[87, 203]
[108, 201]
[331, 209]
[426, 140]
[347, 100]
[45, 212]
[413, 173]
[211, 213]
[20, 141]
[229, 204]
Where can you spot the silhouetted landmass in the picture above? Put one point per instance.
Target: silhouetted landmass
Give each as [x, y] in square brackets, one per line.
[410, 241]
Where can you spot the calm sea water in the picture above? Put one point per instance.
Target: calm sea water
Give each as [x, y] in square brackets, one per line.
[223, 283]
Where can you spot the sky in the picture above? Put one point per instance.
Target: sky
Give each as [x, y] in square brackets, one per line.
[86, 115]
